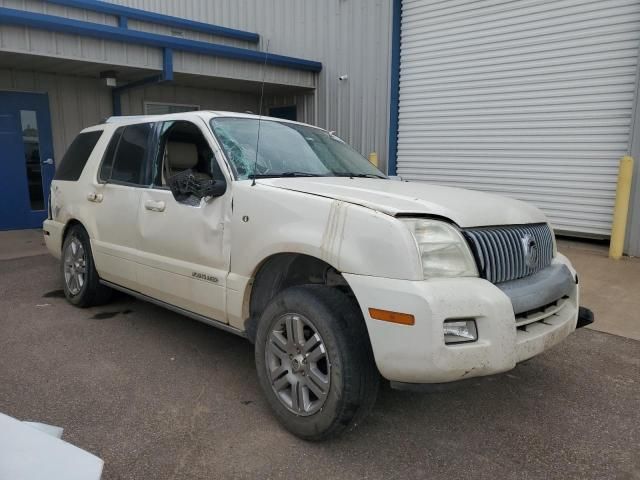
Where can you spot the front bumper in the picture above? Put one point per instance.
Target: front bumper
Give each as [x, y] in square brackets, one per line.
[418, 354]
[585, 317]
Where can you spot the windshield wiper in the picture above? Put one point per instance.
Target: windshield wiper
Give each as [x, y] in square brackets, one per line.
[300, 174]
[359, 175]
[285, 174]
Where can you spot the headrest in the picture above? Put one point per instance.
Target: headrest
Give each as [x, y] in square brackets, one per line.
[182, 155]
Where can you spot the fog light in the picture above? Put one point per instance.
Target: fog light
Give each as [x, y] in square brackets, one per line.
[460, 331]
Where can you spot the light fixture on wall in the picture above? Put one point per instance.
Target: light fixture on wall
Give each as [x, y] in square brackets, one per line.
[110, 78]
[343, 78]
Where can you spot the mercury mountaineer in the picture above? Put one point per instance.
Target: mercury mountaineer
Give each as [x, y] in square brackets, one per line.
[280, 232]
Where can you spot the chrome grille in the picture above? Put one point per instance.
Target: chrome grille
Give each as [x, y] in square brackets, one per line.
[501, 254]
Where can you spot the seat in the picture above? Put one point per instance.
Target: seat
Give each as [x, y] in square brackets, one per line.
[180, 156]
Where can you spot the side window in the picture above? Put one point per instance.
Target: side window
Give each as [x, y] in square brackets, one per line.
[126, 158]
[183, 147]
[129, 163]
[107, 161]
[75, 159]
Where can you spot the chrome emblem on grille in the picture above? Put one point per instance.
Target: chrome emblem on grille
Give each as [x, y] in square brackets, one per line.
[530, 250]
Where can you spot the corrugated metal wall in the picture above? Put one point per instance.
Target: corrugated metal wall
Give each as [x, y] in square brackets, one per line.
[65, 46]
[74, 102]
[133, 100]
[632, 244]
[531, 99]
[77, 102]
[351, 37]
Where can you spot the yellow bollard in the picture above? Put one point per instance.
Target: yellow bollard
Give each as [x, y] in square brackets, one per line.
[373, 159]
[621, 209]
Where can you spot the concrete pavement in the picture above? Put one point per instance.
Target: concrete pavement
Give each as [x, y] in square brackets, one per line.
[611, 288]
[21, 243]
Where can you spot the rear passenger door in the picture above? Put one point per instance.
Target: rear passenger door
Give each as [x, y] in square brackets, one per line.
[125, 172]
[185, 251]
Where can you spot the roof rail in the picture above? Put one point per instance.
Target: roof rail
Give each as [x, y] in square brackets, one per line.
[125, 118]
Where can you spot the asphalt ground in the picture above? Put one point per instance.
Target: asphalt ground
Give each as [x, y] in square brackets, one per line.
[160, 396]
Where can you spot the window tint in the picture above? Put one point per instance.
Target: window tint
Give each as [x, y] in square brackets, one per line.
[75, 159]
[129, 164]
[107, 160]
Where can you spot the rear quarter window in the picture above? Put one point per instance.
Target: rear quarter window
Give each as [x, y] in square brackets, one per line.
[73, 162]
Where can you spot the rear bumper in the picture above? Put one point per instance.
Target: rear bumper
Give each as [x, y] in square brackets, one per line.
[418, 354]
[53, 232]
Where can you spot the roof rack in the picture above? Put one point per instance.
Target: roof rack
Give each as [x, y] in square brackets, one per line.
[126, 118]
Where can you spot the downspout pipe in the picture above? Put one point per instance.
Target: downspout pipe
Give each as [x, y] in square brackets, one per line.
[165, 76]
[394, 109]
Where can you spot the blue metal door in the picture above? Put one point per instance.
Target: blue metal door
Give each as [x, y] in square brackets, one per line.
[26, 159]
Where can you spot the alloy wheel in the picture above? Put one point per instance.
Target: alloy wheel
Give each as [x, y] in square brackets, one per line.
[75, 266]
[298, 365]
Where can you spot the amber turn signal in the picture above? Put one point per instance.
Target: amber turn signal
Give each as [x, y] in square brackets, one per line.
[393, 317]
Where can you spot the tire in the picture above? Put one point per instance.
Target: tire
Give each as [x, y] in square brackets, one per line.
[337, 388]
[81, 282]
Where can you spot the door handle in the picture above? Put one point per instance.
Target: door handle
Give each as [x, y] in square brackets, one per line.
[94, 197]
[48, 161]
[154, 206]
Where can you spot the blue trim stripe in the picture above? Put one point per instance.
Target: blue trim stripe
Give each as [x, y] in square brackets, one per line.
[395, 88]
[152, 17]
[66, 25]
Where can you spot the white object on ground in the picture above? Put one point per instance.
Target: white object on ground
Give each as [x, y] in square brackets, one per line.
[44, 428]
[28, 453]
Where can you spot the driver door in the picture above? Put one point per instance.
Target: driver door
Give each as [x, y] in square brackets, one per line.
[185, 251]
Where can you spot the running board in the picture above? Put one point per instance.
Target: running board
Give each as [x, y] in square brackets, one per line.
[173, 308]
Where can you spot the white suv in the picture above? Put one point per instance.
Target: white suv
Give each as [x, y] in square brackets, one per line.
[281, 233]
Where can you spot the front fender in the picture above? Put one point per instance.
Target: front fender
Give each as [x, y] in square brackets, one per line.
[351, 238]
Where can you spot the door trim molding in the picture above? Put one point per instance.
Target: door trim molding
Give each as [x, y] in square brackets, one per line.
[173, 308]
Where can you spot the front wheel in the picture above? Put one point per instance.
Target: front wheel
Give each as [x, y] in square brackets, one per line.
[314, 361]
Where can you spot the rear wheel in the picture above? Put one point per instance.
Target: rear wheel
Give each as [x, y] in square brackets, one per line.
[82, 285]
[314, 361]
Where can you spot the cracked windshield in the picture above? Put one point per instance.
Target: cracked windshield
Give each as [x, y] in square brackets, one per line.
[287, 150]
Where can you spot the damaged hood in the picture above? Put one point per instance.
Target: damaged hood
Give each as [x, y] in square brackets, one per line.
[467, 208]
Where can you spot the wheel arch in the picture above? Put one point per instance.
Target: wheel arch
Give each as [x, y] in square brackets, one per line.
[67, 227]
[283, 270]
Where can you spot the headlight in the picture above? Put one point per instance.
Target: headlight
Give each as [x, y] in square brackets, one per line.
[443, 249]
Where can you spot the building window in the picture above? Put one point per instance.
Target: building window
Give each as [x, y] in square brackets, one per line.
[157, 108]
[31, 142]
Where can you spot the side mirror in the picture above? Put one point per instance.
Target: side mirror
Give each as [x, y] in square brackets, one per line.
[186, 187]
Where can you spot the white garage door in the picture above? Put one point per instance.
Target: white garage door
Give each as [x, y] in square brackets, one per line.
[531, 99]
